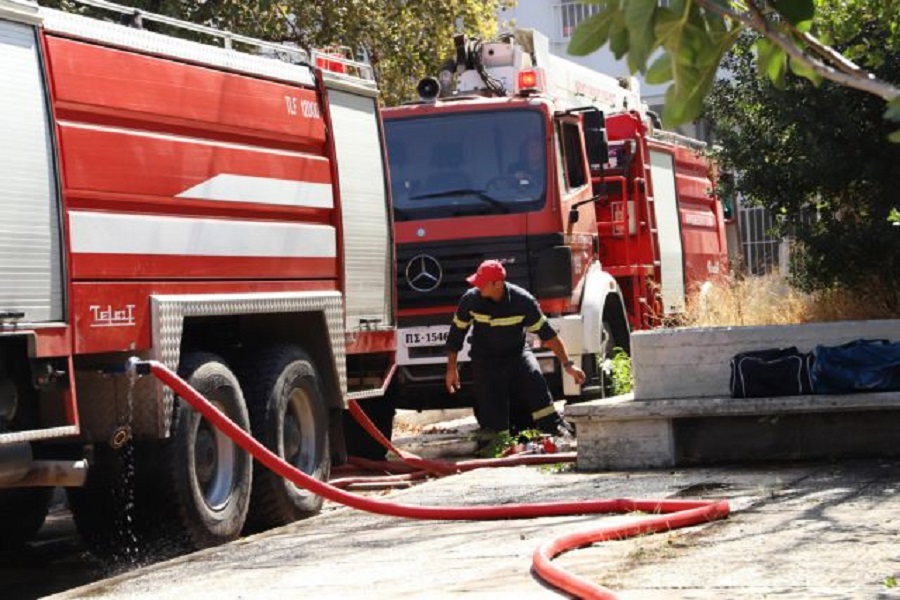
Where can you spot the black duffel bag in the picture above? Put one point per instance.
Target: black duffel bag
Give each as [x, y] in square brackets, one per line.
[771, 372]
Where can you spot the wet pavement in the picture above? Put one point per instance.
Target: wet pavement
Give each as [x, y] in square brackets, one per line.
[797, 531]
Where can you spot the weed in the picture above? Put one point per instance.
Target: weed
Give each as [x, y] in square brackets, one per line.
[499, 444]
[557, 468]
[616, 375]
[622, 377]
[771, 300]
[638, 553]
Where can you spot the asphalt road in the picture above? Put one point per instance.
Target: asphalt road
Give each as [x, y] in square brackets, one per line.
[797, 531]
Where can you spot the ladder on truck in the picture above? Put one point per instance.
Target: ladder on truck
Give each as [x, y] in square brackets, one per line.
[631, 230]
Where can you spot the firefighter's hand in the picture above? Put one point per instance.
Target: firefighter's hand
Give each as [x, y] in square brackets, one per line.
[576, 373]
[452, 380]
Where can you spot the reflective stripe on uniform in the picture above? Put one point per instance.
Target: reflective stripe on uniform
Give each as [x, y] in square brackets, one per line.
[507, 321]
[460, 323]
[536, 326]
[540, 414]
[499, 321]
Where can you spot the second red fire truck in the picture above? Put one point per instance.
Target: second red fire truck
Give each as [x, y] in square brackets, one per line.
[563, 175]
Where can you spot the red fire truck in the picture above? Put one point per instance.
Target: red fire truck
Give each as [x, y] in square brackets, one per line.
[609, 226]
[222, 211]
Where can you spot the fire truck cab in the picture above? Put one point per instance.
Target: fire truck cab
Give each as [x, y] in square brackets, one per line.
[224, 212]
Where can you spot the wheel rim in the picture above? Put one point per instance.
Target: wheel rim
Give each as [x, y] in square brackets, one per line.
[298, 437]
[597, 360]
[214, 463]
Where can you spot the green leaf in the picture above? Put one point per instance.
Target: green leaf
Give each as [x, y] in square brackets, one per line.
[693, 80]
[893, 109]
[801, 69]
[673, 112]
[592, 33]
[895, 137]
[796, 11]
[772, 62]
[894, 217]
[639, 17]
[668, 27]
[618, 37]
[660, 71]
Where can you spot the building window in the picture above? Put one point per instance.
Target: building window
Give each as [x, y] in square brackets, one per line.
[570, 13]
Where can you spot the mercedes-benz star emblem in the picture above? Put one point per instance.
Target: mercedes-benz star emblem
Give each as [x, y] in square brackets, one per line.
[423, 273]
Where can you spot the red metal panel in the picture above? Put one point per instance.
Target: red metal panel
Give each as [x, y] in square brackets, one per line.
[460, 228]
[115, 85]
[137, 131]
[124, 266]
[366, 342]
[52, 341]
[70, 398]
[115, 166]
[702, 226]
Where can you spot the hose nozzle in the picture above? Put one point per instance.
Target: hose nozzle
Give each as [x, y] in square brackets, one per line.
[136, 367]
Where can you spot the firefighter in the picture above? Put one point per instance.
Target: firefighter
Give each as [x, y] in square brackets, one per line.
[504, 368]
[529, 169]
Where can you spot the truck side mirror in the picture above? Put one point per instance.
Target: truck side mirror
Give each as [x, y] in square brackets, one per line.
[551, 276]
[725, 191]
[595, 139]
[573, 215]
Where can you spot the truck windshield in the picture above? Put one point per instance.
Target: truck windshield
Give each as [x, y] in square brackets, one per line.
[465, 164]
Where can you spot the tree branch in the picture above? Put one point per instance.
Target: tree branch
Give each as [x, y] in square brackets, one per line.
[858, 79]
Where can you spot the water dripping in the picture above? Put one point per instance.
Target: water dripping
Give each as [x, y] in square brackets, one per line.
[125, 522]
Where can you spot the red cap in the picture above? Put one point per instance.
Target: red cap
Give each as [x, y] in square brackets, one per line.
[488, 271]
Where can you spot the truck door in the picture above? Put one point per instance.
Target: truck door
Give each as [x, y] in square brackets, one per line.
[368, 253]
[31, 269]
[668, 222]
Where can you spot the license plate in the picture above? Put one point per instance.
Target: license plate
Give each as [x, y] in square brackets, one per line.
[424, 336]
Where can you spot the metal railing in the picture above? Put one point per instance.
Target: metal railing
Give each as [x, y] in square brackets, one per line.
[348, 67]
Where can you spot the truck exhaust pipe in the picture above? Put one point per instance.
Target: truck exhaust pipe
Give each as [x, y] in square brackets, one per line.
[19, 469]
[15, 462]
[54, 473]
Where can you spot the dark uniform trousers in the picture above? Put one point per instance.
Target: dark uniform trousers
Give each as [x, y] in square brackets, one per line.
[511, 392]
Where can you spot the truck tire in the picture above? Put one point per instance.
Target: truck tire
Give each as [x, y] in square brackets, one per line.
[597, 384]
[22, 513]
[209, 476]
[289, 417]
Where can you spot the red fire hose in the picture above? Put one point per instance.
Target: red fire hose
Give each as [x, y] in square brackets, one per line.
[667, 514]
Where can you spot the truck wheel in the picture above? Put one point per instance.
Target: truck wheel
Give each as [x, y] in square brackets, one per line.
[598, 384]
[289, 417]
[210, 477]
[22, 512]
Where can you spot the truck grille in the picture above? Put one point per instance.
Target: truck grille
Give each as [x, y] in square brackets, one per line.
[434, 274]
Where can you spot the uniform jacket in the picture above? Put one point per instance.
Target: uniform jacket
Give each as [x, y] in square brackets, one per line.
[498, 328]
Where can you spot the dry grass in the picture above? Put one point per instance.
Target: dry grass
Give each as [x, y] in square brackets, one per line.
[770, 300]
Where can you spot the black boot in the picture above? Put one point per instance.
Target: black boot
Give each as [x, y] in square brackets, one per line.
[554, 424]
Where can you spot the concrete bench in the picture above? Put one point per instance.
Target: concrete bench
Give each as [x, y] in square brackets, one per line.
[681, 411]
